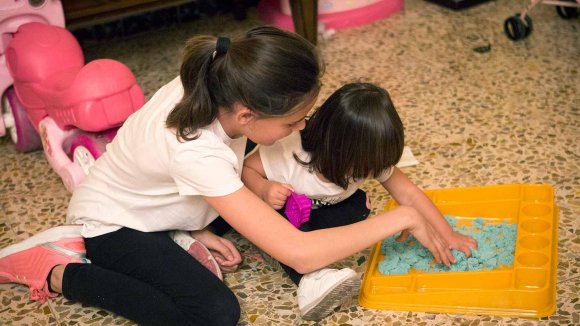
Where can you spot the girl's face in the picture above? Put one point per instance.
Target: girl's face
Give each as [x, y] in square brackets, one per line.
[266, 131]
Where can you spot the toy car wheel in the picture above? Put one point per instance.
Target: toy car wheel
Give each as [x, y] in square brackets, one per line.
[567, 12]
[85, 149]
[21, 131]
[516, 29]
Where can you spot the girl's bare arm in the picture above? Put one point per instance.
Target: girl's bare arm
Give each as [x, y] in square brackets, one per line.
[309, 251]
[253, 174]
[254, 177]
[405, 192]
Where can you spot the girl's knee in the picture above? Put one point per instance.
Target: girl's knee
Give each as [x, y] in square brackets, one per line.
[225, 310]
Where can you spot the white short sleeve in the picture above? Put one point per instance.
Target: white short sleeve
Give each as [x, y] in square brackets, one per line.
[385, 175]
[278, 161]
[206, 169]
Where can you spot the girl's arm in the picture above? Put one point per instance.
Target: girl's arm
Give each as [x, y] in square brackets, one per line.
[253, 173]
[407, 193]
[309, 251]
[223, 250]
[254, 177]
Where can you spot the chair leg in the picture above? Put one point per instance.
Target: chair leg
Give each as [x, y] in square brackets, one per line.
[305, 17]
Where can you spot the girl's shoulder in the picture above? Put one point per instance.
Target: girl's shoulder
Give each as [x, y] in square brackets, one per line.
[286, 146]
[209, 138]
[385, 175]
[170, 92]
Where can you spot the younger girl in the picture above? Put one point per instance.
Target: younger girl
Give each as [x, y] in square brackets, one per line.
[176, 165]
[355, 135]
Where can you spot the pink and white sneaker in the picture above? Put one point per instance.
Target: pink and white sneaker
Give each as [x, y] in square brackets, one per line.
[30, 261]
[198, 251]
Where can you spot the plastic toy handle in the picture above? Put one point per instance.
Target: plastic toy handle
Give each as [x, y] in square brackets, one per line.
[72, 175]
[298, 209]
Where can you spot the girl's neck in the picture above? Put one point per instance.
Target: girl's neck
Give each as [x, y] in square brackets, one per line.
[228, 122]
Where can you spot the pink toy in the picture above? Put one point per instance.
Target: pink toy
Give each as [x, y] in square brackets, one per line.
[331, 6]
[13, 14]
[298, 209]
[333, 14]
[75, 108]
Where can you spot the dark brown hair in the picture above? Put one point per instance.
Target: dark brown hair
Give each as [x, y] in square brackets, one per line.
[268, 70]
[355, 134]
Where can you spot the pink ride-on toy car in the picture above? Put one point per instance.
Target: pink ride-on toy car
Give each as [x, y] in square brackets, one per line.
[75, 108]
[13, 14]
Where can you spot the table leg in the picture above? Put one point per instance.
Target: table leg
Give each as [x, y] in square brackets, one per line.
[305, 17]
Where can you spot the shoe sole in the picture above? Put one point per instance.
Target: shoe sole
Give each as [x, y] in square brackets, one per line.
[50, 235]
[335, 297]
[200, 253]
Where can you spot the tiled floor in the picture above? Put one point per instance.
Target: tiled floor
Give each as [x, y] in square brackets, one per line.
[510, 115]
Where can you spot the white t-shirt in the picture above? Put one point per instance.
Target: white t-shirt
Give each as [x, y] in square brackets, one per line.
[280, 165]
[149, 181]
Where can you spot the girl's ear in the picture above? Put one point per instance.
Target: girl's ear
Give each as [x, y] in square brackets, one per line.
[243, 114]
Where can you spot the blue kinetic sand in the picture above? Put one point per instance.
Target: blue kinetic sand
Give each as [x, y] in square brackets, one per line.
[496, 245]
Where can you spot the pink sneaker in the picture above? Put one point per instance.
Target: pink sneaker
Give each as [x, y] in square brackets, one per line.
[30, 261]
[198, 251]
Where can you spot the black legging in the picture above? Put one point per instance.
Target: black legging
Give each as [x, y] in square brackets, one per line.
[148, 278]
[349, 211]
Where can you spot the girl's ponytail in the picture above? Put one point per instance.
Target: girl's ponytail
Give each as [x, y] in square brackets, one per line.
[196, 109]
[268, 70]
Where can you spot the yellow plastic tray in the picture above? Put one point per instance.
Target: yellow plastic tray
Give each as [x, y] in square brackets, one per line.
[526, 289]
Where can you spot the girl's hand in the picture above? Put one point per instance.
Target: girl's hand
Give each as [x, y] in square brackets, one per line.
[422, 230]
[455, 240]
[461, 242]
[276, 193]
[223, 250]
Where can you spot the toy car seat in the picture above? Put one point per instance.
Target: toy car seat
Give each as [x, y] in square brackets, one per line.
[50, 78]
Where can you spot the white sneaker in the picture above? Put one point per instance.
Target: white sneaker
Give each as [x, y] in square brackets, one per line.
[321, 291]
[198, 251]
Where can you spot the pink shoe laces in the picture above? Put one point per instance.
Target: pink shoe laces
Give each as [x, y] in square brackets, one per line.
[41, 294]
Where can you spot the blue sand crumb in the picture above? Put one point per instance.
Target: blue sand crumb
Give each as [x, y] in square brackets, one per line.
[496, 246]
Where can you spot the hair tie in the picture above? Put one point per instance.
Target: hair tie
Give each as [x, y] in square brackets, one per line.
[221, 46]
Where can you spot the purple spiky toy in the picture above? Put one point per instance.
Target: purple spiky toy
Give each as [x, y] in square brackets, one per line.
[298, 209]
